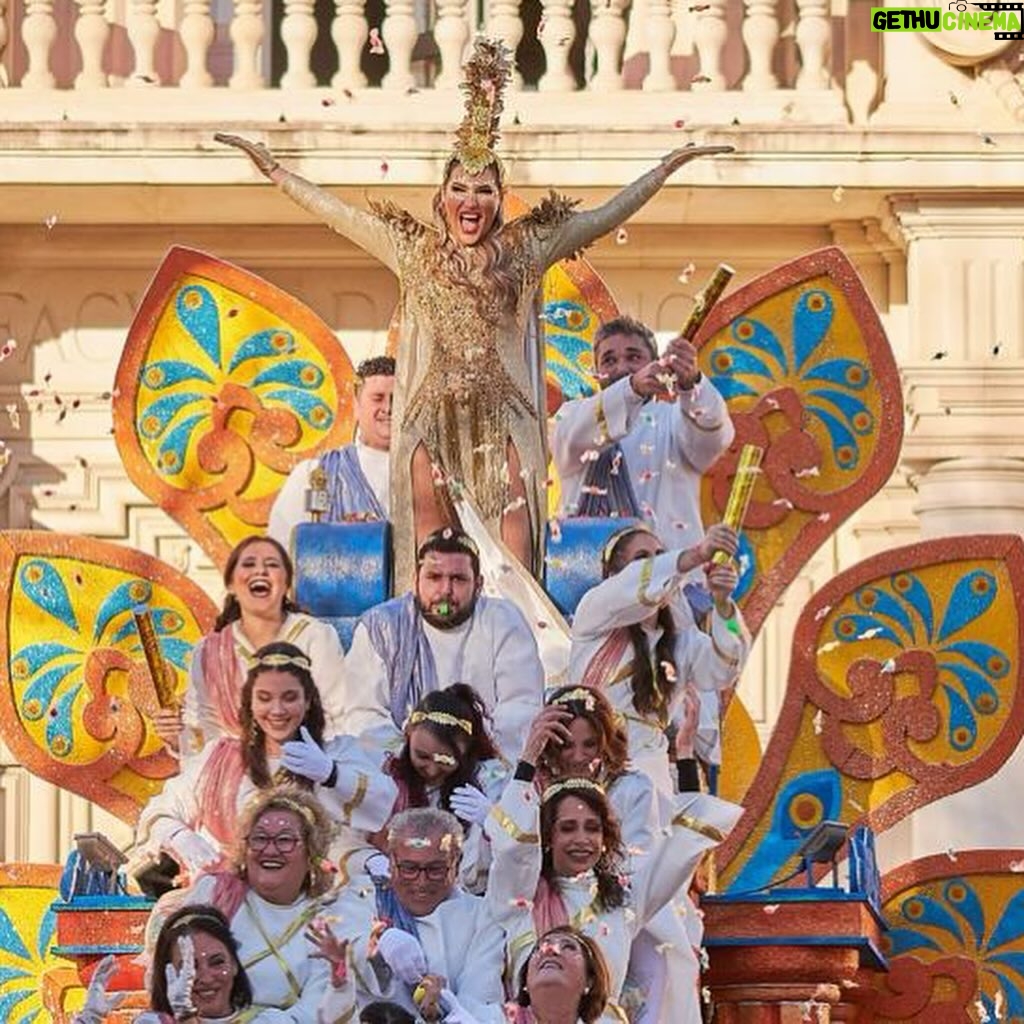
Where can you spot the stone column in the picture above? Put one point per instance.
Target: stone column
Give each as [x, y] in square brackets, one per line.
[964, 361]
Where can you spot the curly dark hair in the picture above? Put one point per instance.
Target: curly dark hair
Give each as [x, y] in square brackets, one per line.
[595, 707]
[187, 921]
[254, 750]
[375, 366]
[232, 610]
[608, 871]
[629, 326]
[460, 701]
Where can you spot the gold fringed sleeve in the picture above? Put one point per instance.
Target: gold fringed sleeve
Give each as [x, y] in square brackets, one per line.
[709, 295]
[743, 482]
[162, 676]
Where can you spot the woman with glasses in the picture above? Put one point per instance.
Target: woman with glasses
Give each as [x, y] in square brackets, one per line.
[194, 820]
[564, 981]
[278, 900]
[257, 611]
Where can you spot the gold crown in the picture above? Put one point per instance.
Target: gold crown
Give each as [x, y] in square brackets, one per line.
[613, 540]
[486, 74]
[580, 695]
[568, 784]
[441, 718]
[282, 661]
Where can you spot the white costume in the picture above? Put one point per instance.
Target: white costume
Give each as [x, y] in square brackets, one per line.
[666, 447]
[699, 823]
[275, 953]
[212, 702]
[494, 651]
[460, 941]
[711, 661]
[289, 508]
[197, 800]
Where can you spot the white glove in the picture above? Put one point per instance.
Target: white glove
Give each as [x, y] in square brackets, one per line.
[304, 757]
[97, 1003]
[179, 983]
[403, 954]
[192, 851]
[469, 804]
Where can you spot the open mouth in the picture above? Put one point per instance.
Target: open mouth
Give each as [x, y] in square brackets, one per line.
[550, 962]
[271, 863]
[260, 588]
[470, 222]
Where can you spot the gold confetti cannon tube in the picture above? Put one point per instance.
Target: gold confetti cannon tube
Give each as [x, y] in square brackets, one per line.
[163, 679]
[742, 489]
[705, 301]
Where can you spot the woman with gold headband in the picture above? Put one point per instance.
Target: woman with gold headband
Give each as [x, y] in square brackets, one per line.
[469, 387]
[634, 637]
[560, 860]
[195, 819]
[278, 898]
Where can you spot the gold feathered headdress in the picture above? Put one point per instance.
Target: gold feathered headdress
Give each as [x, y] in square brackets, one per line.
[487, 72]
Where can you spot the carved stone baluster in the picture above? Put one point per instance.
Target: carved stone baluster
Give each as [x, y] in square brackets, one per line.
[91, 32]
[812, 39]
[504, 23]
[709, 38]
[298, 33]
[556, 38]
[760, 34]
[349, 32]
[143, 32]
[607, 36]
[38, 32]
[399, 32]
[247, 36]
[196, 36]
[661, 31]
[451, 34]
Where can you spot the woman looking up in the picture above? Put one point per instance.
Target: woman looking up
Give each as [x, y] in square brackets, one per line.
[469, 409]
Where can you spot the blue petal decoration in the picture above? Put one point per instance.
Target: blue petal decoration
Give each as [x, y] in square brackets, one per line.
[746, 557]
[840, 436]
[198, 313]
[932, 913]
[570, 382]
[903, 940]
[982, 694]
[860, 624]
[913, 591]
[568, 345]
[123, 598]
[45, 589]
[967, 904]
[59, 727]
[159, 627]
[850, 373]
[810, 325]
[558, 312]
[165, 373]
[32, 1017]
[962, 728]
[741, 363]
[314, 411]
[11, 999]
[879, 602]
[171, 457]
[972, 597]
[850, 407]
[296, 373]
[1010, 926]
[175, 651]
[762, 338]
[1014, 1006]
[729, 387]
[10, 973]
[269, 344]
[156, 417]
[33, 657]
[10, 940]
[39, 695]
[47, 927]
[992, 661]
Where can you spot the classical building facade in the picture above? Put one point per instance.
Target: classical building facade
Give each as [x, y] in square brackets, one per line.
[903, 149]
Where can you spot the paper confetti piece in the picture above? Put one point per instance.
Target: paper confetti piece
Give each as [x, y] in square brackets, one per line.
[889, 667]
[810, 471]
[590, 455]
[770, 908]
[14, 415]
[1016, 866]
[830, 646]
[8, 349]
[824, 517]
[686, 273]
[822, 612]
[377, 47]
[951, 854]
[837, 194]
[670, 671]
[869, 634]
[50, 221]
[783, 502]
[818, 722]
[621, 236]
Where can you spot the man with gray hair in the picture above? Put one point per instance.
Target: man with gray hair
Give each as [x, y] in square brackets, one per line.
[440, 953]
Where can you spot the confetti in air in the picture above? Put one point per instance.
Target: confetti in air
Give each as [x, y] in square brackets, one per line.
[822, 612]
[941, 354]
[869, 634]
[621, 236]
[951, 854]
[770, 908]
[837, 194]
[784, 502]
[679, 123]
[810, 471]
[888, 668]
[14, 415]
[377, 47]
[819, 722]
[830, 646]
[686, 273]
[51, 221]
[590, 455]
[8, 349]
[824, 517]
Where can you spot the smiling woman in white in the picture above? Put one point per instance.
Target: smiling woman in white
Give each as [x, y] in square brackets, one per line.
[257, 611]
[278, 889]
[195, 817]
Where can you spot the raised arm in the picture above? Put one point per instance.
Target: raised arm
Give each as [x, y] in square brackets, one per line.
[358, 226]
[584, 227]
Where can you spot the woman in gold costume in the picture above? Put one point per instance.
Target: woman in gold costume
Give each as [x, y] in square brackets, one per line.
[469, 390]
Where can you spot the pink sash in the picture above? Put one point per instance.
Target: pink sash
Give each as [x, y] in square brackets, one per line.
[549, 909]
[217, 792]
[605, 663]
[223, 678]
